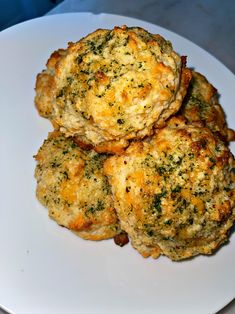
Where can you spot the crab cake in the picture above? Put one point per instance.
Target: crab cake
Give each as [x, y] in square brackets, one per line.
[112, 86]
[71, 184]
[174, 194]
[201, 105]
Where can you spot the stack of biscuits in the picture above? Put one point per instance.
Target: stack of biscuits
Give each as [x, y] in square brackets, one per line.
[140, 146]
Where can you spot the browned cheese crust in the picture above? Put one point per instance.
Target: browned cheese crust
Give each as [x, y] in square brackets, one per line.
[45, 85]
[174, 193]
[112, 86]
[201, 106]
[71, 184]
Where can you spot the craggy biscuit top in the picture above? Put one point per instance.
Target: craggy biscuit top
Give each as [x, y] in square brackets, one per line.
[174, 193]
[201, 105]
[114, 85]
[71, 184]
[173, 189]
[45, 85]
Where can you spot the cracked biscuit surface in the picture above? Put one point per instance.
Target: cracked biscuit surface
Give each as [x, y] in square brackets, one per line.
[174, 193]
[72, 185]
[112, 86]
[201, 106]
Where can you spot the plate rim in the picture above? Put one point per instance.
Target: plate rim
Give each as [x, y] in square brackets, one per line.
[34, 20]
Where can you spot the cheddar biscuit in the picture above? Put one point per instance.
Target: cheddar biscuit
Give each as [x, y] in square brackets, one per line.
[72, 185]
[174, 192]
[201, 106]
[112, 86]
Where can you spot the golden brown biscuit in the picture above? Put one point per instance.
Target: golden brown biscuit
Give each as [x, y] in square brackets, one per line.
[112, 86]
[201, 105]
[71, 184]
[174, 193]
[45, 85]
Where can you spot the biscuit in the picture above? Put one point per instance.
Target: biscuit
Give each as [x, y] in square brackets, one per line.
[174, 193]
[112, 86]
[72, 185]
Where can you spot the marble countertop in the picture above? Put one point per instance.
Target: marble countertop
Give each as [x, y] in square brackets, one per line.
[209, 24]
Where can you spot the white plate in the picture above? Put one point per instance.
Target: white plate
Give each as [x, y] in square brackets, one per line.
[46, 269]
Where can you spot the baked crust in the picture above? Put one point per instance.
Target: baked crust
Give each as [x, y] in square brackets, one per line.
[112, 86]
[201, 106]
[45, 85]
[71, 184]
[174, 192]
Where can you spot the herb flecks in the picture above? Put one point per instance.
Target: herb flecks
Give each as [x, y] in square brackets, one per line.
[120, 121]
[157, 202]
[98, 207]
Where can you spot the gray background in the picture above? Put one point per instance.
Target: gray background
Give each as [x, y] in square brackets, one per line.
[208, 23]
